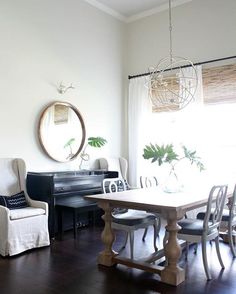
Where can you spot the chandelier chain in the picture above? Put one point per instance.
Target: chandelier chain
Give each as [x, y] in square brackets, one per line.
[170, 30]
[171, 87]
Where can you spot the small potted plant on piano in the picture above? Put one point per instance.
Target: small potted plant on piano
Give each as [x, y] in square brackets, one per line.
[96, 142]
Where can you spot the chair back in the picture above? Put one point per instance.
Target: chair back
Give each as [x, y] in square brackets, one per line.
[12, 180]
[118, 164]
[215, 206]
[232, 211]
[112, 185]
[148, 182]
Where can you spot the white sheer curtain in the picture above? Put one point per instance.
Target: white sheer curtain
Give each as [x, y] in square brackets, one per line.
[181, 127]
[139, 113]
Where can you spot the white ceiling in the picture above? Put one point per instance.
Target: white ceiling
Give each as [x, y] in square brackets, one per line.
[130, 10]
[131, 7]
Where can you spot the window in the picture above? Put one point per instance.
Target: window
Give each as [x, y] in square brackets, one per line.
[209, 129]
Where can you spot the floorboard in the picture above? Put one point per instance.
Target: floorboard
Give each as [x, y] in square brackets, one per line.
[69, 267]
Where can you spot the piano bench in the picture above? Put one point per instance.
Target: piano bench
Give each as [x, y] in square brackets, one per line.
[77, 206]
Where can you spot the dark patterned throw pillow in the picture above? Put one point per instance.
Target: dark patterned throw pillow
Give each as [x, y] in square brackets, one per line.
[15, 201]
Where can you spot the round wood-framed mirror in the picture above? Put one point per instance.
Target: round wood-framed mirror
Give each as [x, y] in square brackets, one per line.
[61, 131]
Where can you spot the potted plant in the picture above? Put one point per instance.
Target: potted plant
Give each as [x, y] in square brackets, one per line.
[166, 154]
[96, 142]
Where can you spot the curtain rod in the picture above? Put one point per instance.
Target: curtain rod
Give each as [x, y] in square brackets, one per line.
[197, 63]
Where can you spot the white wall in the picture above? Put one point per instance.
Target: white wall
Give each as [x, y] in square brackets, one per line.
[42, 43]
[202, 30]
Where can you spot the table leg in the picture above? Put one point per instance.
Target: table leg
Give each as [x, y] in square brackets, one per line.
[108, 237]
[172, 274]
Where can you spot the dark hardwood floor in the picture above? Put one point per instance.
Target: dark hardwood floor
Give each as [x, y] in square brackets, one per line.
[69, 267]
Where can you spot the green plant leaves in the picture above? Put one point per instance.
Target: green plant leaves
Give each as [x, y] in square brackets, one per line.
[96, 141]
[191, 155]
[166, 154]
[69, 142]
[161, 154]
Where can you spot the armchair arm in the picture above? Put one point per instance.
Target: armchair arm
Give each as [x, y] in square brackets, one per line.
[4, 221]
[4, 213]
[38, 204]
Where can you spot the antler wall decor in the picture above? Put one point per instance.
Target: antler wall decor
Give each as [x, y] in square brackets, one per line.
[62, 89]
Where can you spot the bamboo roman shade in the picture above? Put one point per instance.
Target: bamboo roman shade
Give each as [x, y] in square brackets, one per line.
[219, 84]
[156, 106]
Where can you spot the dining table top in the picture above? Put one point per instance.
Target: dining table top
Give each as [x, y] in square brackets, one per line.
[156, 199]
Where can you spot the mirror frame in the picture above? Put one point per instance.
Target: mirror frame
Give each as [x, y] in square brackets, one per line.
[82, 127]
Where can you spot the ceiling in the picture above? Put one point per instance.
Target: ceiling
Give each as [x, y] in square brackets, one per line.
[130, 10]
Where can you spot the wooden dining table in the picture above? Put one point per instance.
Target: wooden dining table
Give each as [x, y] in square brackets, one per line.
[171, 206]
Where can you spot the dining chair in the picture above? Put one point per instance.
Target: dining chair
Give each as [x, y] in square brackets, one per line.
[129, 220]
[203, 230]
[119, 164]
[150, 182]
[228, 217]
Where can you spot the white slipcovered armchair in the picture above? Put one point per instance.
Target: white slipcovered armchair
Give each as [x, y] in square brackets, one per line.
[20, 228]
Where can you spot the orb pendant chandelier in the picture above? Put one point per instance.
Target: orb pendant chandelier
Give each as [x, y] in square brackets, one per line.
[173, 82]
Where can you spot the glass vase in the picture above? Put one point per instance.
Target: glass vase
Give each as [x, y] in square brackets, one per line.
[172, 183]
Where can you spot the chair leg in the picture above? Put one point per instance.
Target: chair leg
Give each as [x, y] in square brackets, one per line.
[75, 223]
[144, 234]
[187, 250]
[158, 228]
[159, 225]
[131, 240]
[218, 251]
[165, 239]
[204, 258]
[155, 235]
[126, 240]
[195, 248]
[231, 242]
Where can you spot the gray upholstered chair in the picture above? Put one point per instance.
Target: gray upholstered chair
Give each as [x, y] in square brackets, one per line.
[24, 222]
[118, 164]
[228, 217]
[150, 182]
[197, 230]
[129, 220]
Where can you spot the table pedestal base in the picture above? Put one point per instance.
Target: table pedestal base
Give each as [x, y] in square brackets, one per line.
[170, 274]
[106, 259]
[173, 277]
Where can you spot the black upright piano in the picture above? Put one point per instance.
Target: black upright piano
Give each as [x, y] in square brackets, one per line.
[55, 187]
